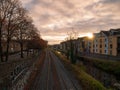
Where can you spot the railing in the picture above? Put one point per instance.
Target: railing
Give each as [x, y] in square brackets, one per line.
[13, 76]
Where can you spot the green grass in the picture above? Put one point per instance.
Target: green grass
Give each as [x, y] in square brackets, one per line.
[87, 81]
[112, 67]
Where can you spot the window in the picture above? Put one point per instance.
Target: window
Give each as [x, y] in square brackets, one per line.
[105, 45]
[105, 51]
[100, 51]
[118, 52]
[111, 46]
[100, 46]
[118, 39]
[118, 45]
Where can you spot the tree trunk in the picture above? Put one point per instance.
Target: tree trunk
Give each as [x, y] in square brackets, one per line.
[27, 52]
[1, 51]
[7, 50]
[73, 61]
[21, 45]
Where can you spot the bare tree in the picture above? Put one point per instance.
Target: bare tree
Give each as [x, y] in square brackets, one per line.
[26, 31]
[71, 46]
[3, 16]
[23, 29]
[12, 20]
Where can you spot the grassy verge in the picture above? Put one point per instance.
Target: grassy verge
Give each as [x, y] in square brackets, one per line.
[87, 81]
[112, 67]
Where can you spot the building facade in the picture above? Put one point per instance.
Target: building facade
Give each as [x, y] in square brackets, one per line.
[13, 46]
[106, 42]
[103, 43]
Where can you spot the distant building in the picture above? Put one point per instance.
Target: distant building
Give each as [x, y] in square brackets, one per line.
[56, 47]
[85, 44]
[94, 44]
[63, 46]
[13, 46]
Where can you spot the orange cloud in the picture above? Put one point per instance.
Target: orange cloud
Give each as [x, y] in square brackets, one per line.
[57, 17]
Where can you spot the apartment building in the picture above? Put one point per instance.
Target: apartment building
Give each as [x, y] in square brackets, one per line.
[69, 45]
[106, 42]
[63, 46]
[85, 44]
[14, 45]
[114, 42]
[100, 43]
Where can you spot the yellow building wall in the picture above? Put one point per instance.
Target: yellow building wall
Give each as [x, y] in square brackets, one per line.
[113, 42]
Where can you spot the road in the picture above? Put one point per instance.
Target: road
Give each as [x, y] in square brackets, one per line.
[54, 76]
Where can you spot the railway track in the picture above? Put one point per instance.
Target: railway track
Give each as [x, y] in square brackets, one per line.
[68, 82]
[54, 76]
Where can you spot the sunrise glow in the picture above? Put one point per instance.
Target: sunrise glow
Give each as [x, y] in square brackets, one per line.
[90, 35]
[55, 18]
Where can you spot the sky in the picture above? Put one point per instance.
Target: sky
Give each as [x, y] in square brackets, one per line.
[56, 18]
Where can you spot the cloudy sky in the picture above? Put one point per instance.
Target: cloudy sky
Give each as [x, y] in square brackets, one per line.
[56, 18]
